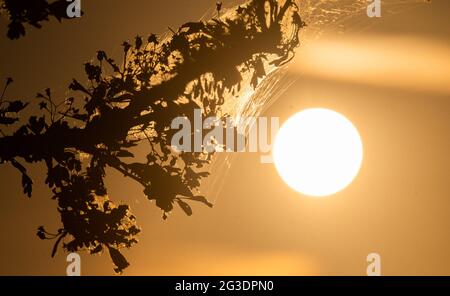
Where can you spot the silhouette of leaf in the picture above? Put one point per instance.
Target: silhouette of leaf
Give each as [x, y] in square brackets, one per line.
[97, 249]
[15, 30]
[36, 125]
[58, 9]
[42, 105]
[118, 259]
[138, 42]
[124, 153]
[9, 80]
[41, 232]
[32, 12]
[126, 46]
[55, 246]
[185, 207]
[8, 120]
[193, 27]
[202, 199]
[218, 7]
[27, 185]
[152, 39]
[16, 106]
[93, 72]
[76, 86]
[101, 55]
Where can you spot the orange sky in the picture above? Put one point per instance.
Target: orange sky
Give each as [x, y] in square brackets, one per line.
[390, 79]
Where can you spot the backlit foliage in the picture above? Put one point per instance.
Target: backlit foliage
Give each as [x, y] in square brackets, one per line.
[202, 65]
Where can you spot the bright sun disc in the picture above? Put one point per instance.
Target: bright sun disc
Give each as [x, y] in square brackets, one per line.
[318, 152]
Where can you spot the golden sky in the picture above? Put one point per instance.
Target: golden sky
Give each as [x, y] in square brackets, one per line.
[389, 76]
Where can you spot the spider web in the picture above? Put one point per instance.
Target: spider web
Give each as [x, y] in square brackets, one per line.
[321, 16]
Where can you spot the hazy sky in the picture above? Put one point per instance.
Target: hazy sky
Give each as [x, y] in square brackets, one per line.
[389, 76]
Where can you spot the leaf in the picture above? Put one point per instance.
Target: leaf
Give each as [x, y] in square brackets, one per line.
[16, 106]
[152, 39]
[193, 27]
[118, 259]
[185, 207]
[203, 174]
[58, 9]
[41, 232]
[76, 86]
[124, 153]
[138, 42]
[8, 120]
[57, 175]
[42, 105]
[55, 246]
[202, 199]
[126, 46]
[101, 55]
[27, 185]
[97, 249]
[15, 30]
[93, 72]
[36, 125]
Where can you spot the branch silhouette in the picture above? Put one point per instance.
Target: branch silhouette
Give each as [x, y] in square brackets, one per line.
[31, 12]
[78, 138]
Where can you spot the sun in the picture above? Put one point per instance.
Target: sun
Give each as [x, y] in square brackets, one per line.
[318, 152]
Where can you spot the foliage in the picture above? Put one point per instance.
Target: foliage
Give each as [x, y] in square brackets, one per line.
[124, 105]
[31, 12]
